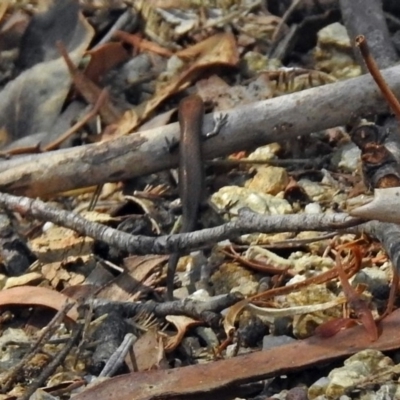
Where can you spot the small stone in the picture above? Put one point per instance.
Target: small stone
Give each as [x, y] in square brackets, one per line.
[297, 393]
[318, 388]
[270, 180]
[313, 208]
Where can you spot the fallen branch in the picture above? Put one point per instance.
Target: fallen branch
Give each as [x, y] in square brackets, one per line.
[248, 126]
[247, 222]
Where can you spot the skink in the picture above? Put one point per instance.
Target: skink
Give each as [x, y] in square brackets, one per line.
[191, 174]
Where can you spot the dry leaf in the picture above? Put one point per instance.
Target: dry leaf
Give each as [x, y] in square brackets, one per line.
[147, 351]
[218, 50]
[37, 296]
[133, 281]
[182, 324]
[230, 318]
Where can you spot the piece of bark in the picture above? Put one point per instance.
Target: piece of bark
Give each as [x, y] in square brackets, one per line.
[213, 379]
[247, 127]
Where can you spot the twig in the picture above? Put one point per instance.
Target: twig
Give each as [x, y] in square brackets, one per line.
[356, 303]
[256, 266]
[44, 336]
[247, 222]
[373, 69]
[248, 126]
[92, 113]
[207, 311]
[117, 359]
[285, 17]
[20, 150]
[51, 367]
[316, 280]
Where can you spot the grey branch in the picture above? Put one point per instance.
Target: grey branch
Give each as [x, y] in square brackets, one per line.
[248, 126]
[247, 222]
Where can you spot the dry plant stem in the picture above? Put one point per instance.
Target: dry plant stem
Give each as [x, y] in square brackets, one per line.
[207, 311]
[356, 303]
[373, 69]
[315, 280]
[91, 114]
[53, 365]
[88, 89]
[285, 17]
[8, 380]
[247, 222]
[20, 150]
[247, 127]
[118, 358]
[256, 266]
[85, 330]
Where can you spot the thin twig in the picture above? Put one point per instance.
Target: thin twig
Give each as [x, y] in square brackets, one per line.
[20, 150]
[92, 113]
[285, 17]
[247, 222]
[43, 338]
[117, 359]
[361, 43]
[254, 265]
[316, 280]
[52, 366]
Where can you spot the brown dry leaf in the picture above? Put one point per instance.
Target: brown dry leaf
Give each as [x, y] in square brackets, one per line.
[89, 90]
[147, 350]
[182, 324]
[359, 306]
[69, 271]
[103, 59]
[215, 51]
[134, 280]
[233, 313]
[141, 44]
[37, 296]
